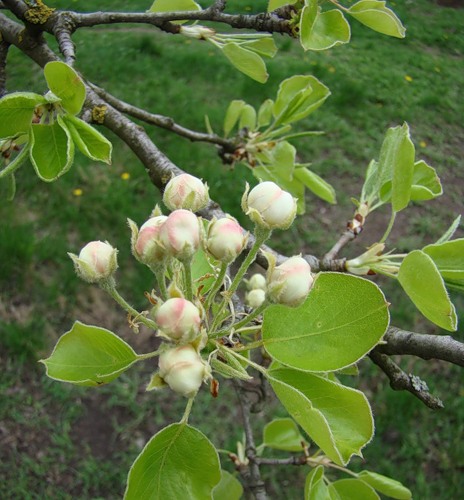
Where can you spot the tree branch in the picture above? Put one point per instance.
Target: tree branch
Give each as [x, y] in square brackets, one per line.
[401, 381]
[298, 460]
[4, 46]
[344, 239]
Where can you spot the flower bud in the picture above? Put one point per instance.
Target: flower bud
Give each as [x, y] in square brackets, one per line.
[270, 206]
[226, 239]
[257, 282]
[289, 283]
[178, 319]
[186, 191]
[254, 298]
[146, 245]
[97, 261]
[183, 369]
[180, 234]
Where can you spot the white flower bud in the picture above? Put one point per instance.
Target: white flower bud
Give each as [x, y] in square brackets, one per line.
[226, 239]
[254, 298]
[97, 261]
[187, 192]
[289, 283]
[178, 319]
[270, 206]
[146, 247]
[257, 282]
[183, 369]
[180, 234]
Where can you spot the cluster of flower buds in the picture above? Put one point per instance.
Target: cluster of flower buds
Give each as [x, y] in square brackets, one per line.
[96, 262]
[225, 239]
[178, 320]
[256, 294]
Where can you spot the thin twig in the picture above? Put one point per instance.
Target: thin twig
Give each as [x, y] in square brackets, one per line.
[298, 460]
[344, 239]
[401, 381]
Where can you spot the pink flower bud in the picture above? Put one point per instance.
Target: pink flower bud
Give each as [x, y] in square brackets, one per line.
[269, 206]
[180, 234]
[146, 246]
[96, 261]
[226, 239]
[183, 369]
[254, 298]
[289, 283]
[178, 319]
[186, 191]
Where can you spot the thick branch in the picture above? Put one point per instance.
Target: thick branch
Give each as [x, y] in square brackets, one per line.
[4, 46]
[62, 31]
[442, 347]
[401, 381]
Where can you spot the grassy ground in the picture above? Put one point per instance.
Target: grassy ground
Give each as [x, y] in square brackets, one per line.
[65, 442]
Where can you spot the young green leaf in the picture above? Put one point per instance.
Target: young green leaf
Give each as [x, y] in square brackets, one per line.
[16, 112]
[265, 113]
[263, 46]
[247, 118]
[352, 489]
[448, 234]
[178, 462]
[233, 113]
[316, 184]
[375, 15]
[66, 84]
[385, 485]
[246, 61]
[8, 187]
[16, 162]
[202, 272]
[283, 434]
[89, 355]
[228, 371]
[315, 403]
[52, 150]
[448, 257]
[322, 30]
[320, 341]
[421, 280]
[90, 141]
[315, 487]
[228, 488]
[426, 184]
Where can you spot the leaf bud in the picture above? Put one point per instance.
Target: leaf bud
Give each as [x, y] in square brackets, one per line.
[146, 246]
[254, 298]
[187, 192]
[180, 234]
[269, 206]
[183, 369]
[178, 319]
[225, 239]
[256, 282]
[289, 283]
[97, 261]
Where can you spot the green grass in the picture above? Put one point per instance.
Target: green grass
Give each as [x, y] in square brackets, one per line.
[66, 442]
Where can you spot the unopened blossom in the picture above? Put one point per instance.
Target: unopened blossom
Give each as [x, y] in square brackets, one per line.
[257, 282]
[97, 261]
[180, 234]
[178, 319]
[289, 283]
[226, 239]
[187, 192]
[183, 369]
[254, 298]
[270, 206]
[146, 245]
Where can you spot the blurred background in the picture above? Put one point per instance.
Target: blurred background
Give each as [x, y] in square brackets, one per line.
[58, 441]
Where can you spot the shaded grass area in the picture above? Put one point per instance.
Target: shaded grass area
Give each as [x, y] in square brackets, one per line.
[65, 442]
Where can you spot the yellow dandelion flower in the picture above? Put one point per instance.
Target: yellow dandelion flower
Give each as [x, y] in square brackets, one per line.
[78, 192]
[408, 78]
[331, 69]
[125, 176]
[437, 69]
[422, 144]
[248, 8]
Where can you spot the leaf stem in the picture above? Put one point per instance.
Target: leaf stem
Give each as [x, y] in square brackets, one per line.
[141, 357]
[217, 285]
[188, 279]
[389, 228]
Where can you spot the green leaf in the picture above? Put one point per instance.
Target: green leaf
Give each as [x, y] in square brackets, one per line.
[396, 164]
[16, 112]
[385, 485]
[52, 150]
[16, 161]
[265, 113]
[337, 418]
[283, 160]
[246, 61]
[448, 234]
[8, 187]
[353, 489]
[319, 336]
[421, 280]
[297, 97]
[316, 184]
[228, 371]
[315, 487]
[283, 434]
[375, 15]
[448, 257]
[426, 184]
[202, 271]
[178, 462]
[247, 118]
[90, 141]
[232, 115]
[275, 4]
[263, 46]
[322, 30]
[228, 488]
[66, 84]
[89, 355]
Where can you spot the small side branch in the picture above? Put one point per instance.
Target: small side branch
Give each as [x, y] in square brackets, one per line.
[401, 381]
[62, 30]
[344, 239]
